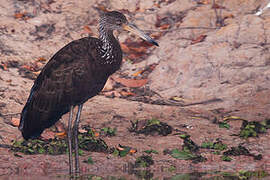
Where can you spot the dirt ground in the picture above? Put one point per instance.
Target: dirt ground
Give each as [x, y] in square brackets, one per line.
[32, 31]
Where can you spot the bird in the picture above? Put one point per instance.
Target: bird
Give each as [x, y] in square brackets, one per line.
[74, 74]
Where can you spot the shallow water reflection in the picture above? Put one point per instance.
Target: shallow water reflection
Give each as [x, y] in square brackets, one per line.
[149, 175]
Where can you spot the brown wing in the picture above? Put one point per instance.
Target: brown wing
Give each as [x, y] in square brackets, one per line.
[69, 78]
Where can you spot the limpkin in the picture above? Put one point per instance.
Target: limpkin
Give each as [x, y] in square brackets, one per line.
[74, 74]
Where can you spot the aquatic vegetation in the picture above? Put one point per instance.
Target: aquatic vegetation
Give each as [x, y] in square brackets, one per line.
[89, 160]
[87, 142]
[253, 128]
[144, 161]
[122, 151]
[151, 151]
[189, 151]
[240, 150]
[37, 146]
[217, 145]
[223, 125]
[108, 131]
[150, 127]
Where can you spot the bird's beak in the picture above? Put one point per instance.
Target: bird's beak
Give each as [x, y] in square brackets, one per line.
[132, 28]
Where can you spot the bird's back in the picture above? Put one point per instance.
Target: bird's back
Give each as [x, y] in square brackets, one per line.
[72, 76]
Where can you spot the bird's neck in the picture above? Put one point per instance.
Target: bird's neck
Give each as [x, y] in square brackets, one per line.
[106, 37]
[105, 34]
[108, 42]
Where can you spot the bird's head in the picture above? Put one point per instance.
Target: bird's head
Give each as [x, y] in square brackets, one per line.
[114, 20]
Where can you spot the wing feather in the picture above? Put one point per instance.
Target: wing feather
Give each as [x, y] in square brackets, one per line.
[67, 79]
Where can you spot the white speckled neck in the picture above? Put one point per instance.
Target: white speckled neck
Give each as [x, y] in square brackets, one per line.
[106, 37]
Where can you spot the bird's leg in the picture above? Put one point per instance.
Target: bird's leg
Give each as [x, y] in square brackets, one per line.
[76, 126]
[70, 140]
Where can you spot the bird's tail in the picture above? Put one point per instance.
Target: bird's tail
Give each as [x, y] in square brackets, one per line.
[28, 126]
[34, 121]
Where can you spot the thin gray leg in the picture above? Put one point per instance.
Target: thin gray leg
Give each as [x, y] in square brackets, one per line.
[76, 127]
[70, 140]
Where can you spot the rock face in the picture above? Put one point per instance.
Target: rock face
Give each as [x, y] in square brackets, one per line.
[34, 29]
[231, 64]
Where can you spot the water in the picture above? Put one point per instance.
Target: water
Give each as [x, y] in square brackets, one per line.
[149, 175]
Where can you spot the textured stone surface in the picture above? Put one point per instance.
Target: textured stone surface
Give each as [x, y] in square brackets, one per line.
[47, 29]
[232, 64]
